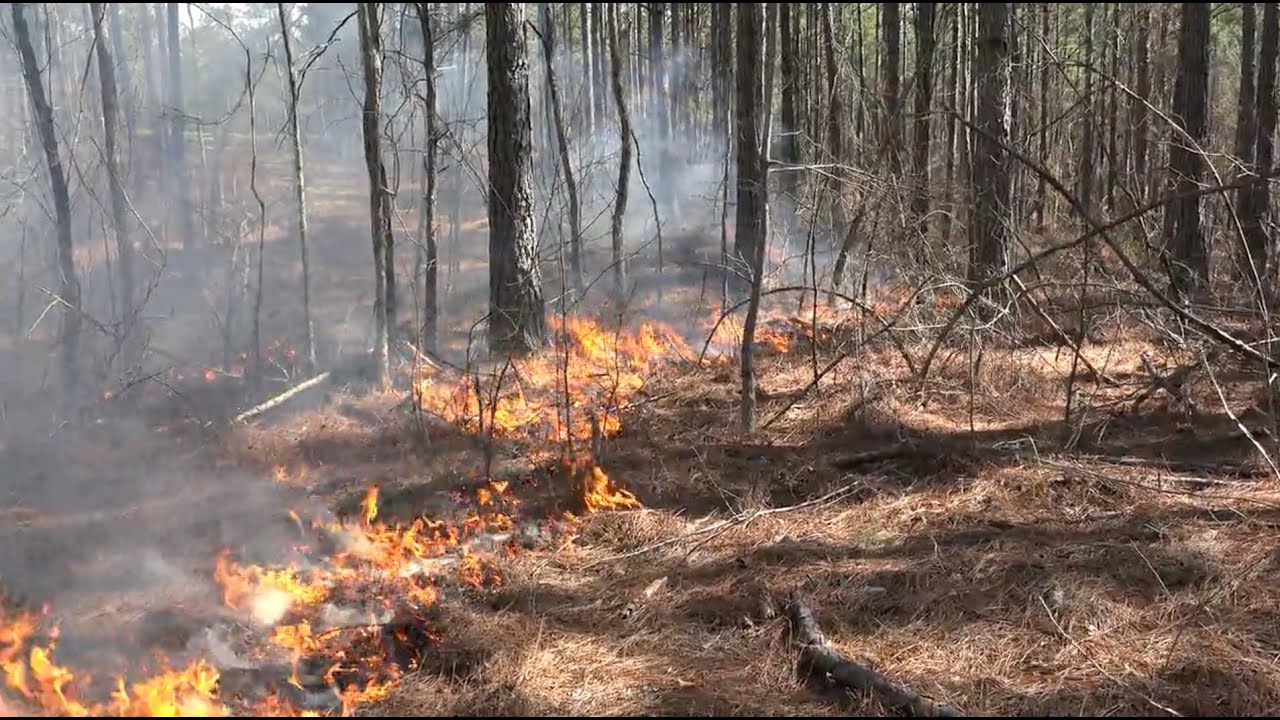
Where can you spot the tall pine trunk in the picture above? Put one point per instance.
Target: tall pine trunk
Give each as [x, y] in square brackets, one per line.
[177, 130]
[753, 193]
[1190, 243]
[624, 162]
[369, 20]
[429, 246]
[299, 190]
[1246, 139]
[68, 283]
[566, 166]
[119, 204]
[1257, 223]
[517, 318]
[891, 84]
[925, 13]
[990, 229]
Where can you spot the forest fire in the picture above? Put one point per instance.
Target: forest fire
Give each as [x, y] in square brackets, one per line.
[343, 620]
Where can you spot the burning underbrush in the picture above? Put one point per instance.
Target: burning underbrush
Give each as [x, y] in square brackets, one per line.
[333, 625]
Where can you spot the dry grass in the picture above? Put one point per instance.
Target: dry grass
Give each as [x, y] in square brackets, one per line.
[1097, 581]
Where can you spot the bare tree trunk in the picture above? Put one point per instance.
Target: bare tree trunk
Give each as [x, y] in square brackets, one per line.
[68, 283]
[1113, 98]
[721, 77]
[1088, 126]
[842, 228]
[1138, 112]
[990, 228]
[126, 87]
[517, 318]
[1246, 139]
[753, 192]
[598, 60]
[300, 191]
[177, 143]
[925, 13]
[1042, 196]
[1257, 223]
[624, 162]
[429, 246]
[119, 205]
[369, 19]
[588, 64]
[789, 28]
[891, 81]
[570, 181]
[1190, 250]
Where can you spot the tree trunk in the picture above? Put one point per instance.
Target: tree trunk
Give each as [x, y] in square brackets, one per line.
[624, 162]
[753, 192]
[517, 318]
[588, 76]
[1088, 127]
[1139, 114]
[789, 153]
[1042, 196]
[891, 82]
[1113, 98]
[1257, 224]
[570, 180]
[369, 20]
[429, 246]
[68, 283]
[1190, 249]
[923, 95]
[177, 141]
[119, 205]
[300, 191]
[1246, 124]
[721, 77]
[126, 87]
[598, 60]
[990, 228]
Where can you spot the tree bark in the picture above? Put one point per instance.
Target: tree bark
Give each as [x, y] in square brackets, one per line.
[789, 152]
[119, 204]
[1139, 114]
[1246, 139]
[570, 180]
[624, 162]
[588, 76]
[753, 192]
[517, 318]
[925, 13]
[369, 20]
[1088, 127]
[1256, 224]
[429, 246]
[1190, 250]
[177, 139]
[68, 283]
[722, 76]
[299, 191]
[990, 228]
[891, 82]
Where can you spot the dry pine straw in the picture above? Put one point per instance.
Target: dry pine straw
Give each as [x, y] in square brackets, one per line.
[1018, 589]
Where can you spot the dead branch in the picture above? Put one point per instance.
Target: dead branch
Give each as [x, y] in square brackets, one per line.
[820, 658]
[280, 399]
[1173, 383]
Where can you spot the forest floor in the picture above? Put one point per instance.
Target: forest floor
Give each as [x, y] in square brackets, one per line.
[972, 546]
[957, 535]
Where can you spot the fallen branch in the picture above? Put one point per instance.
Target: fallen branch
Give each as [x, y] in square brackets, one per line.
[280, 399]
[820, 658]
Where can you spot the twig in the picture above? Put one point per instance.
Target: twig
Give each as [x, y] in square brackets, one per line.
[817, 653]
[1103, 670]
[280, 399]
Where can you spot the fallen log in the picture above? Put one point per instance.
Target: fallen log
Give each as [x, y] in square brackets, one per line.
[821, 659]
[280, 399]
